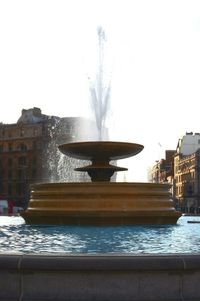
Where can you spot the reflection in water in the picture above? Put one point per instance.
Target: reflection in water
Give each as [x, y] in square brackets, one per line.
[17, 237]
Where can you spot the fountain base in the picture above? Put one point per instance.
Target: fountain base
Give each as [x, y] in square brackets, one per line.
[100, 203]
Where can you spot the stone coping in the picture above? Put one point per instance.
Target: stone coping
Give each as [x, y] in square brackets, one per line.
[99, 277]
[100, 262]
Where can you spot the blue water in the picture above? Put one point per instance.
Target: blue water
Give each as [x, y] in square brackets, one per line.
[17, 237]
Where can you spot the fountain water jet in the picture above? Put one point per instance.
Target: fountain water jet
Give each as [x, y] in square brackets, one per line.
[100, 88]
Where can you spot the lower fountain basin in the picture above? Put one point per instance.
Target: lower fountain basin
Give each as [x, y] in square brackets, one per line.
[100, 203]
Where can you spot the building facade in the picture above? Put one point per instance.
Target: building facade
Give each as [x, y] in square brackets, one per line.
[163, 169]
[29, 151]
[21, 149]
[188, 144]
[187, 182]
[182, 171]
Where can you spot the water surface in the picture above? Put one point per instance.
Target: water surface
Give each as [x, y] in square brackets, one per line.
[17, 237]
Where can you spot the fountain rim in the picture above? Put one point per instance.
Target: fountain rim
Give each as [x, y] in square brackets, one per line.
[112, 150]
[103, 184]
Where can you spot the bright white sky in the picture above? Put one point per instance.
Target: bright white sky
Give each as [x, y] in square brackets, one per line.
[47, 50]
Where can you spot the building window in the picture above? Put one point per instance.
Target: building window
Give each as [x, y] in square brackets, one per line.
[22, 133]
[22, 161]
[10, 162]
[39, 145]
[34, 145]
[2, 133]
[34, 173]
[10, 147]
[10, 174]
[19, 189]
[1, 173]
[10, 188]
[23, 147]
[34, 161]
[1, 187]
[19, 173]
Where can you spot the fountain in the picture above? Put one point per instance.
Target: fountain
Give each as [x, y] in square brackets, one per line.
[100, 202]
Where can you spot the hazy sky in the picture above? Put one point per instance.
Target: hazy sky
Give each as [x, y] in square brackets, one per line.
[48, 48]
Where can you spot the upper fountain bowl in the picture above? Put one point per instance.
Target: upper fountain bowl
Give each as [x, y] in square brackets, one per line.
[98, 150]
[100, 153]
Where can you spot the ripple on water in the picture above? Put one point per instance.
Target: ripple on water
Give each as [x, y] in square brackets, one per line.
[17, 237]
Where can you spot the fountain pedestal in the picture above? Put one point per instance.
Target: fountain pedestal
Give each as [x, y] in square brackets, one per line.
[100, 202]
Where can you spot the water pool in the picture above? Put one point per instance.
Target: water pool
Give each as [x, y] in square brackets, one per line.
[17, 237]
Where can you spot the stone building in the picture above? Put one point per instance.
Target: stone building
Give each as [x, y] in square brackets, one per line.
[182, 171]
[188, 143]
[29, 153]
[186, 173]
[163, 169]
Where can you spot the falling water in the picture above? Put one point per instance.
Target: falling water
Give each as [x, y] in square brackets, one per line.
[60, 168]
